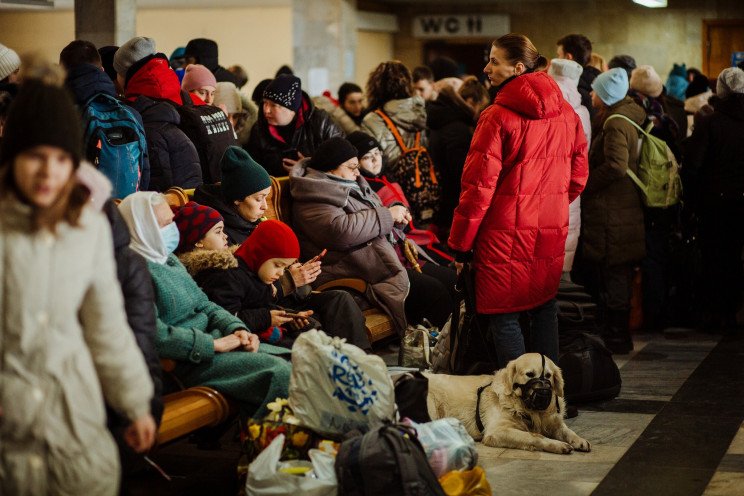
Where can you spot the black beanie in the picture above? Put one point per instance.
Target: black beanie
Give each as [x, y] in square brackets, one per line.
[41, 115]
[257, 95]
[285, 90]
[204, 51]
[241, 175]
[332, 153]
[363, 142]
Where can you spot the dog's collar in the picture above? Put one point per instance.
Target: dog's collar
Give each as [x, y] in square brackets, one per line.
[478, 422]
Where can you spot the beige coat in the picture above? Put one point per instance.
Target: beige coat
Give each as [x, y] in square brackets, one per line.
[63, 339]
[338, 114]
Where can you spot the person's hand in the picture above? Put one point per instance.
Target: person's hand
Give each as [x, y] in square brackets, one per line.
[458, 267]
[288, 163]
[302, 320]
[278, 319]
[304, 274]
[227, 343]
[140, 435]
[248, 340]
[400, 214]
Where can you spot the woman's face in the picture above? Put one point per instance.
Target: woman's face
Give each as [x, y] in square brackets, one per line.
[371, 162]
[41, 173]
[498, 69]
[348, 170]
[272, 269]
[254, 206]
[163, 214]
[215, 239]
[206, 93]
[277, 115]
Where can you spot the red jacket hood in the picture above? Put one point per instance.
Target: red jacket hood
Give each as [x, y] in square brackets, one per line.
[534, 96]
[156, 80]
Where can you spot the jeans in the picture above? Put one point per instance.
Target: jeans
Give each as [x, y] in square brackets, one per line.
[508, 338]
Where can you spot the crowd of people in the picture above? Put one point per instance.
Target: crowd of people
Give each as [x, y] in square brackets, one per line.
[522, 174]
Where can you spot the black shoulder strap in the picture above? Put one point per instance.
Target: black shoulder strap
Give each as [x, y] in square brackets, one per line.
[478, 422]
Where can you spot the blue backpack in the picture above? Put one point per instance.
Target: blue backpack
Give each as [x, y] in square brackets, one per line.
[115, 142]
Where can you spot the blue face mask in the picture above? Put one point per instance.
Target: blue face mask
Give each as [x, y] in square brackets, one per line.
[170, 236]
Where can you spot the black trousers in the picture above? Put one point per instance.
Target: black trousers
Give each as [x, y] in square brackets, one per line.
[610, 286]
[339, 315]
[431, 295]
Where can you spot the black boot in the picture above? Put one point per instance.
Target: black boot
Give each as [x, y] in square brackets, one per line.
[616, 334]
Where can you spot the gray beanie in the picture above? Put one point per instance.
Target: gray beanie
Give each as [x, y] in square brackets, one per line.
[731, 80]
[131, 52]
[9, 61]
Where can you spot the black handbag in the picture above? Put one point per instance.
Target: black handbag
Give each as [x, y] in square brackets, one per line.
[589, 372]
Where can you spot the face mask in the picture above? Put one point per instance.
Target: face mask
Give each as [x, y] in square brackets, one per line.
[170, 236]
[537, 393]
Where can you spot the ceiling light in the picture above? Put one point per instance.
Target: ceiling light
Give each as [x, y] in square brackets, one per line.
[654, 4]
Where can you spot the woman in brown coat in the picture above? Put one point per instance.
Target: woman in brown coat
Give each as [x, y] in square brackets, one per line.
[612, 229]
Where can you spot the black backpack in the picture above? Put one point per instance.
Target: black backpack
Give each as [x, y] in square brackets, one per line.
[415, 173]
[210, 131]
[387, 461]
[589, 372]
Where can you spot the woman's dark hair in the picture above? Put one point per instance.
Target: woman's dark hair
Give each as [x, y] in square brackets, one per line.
[519, 48]
[389, 81]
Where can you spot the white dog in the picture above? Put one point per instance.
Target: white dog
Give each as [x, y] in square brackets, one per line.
[521, 406]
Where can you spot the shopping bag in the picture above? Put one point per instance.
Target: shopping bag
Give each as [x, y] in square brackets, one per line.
[336, 387]
[267, 476]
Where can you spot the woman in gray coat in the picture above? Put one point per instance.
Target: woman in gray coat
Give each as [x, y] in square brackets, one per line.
[64, 338]
[334, 208]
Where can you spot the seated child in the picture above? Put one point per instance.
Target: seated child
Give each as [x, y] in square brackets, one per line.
[232, 278]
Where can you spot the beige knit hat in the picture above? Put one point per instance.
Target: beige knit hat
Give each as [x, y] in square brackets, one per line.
[227, 94]
[9, 61]
[644, 79]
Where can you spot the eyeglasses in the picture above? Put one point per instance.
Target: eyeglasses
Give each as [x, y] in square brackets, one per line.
[352, 167]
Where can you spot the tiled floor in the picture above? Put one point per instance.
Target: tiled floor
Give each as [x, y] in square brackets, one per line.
[676, 429]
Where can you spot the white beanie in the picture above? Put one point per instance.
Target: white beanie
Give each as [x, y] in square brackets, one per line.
[566, 68]
[644, 79]
[730, 80]
[9, 61]
[132, 52]
[227, 94]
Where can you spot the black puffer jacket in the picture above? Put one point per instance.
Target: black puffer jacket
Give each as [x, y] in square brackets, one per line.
[173, 157]
[451, 123]
[236, 227]
[585, 87]
[312, 127]
[85, 81]
[714, 153]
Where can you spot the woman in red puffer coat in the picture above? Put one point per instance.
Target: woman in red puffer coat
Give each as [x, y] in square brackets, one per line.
[527, 162]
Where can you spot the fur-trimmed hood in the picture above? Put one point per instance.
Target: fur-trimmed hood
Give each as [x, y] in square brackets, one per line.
[198, 260]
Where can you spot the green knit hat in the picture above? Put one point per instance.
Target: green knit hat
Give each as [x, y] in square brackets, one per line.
[241, 175]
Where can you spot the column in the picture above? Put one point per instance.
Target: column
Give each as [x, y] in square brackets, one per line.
[105, 22]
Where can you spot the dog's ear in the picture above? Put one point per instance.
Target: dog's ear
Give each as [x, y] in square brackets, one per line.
[508, 375]
[557, 379]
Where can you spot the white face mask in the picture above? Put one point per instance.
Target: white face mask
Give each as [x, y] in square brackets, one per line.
[170, 236]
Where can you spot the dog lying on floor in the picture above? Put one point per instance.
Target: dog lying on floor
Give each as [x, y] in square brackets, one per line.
[521, 406]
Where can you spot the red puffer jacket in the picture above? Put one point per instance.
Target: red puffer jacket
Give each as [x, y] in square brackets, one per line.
[527, 161]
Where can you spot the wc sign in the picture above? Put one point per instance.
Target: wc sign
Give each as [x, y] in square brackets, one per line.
[459, 26]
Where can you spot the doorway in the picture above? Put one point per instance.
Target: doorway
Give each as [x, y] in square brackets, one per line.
[471, 55]
[721, 38]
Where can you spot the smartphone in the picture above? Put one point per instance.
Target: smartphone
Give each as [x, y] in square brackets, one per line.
[291, 315]
[317, 257]
[291, 154]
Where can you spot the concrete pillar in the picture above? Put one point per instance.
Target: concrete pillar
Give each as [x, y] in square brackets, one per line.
[105, 22]
[324, 43]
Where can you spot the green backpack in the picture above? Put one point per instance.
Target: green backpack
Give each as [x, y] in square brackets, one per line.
[658, 171]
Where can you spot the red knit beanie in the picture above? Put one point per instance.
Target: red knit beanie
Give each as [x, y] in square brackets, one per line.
[194, 222]
[271, 239]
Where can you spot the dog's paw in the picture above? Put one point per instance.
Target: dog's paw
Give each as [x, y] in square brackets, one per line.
[558, 447]
[580, 444]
